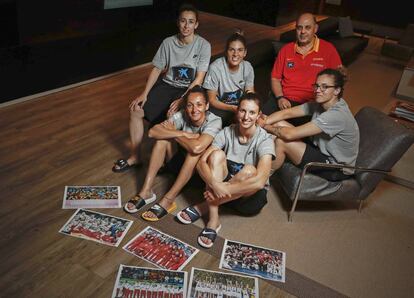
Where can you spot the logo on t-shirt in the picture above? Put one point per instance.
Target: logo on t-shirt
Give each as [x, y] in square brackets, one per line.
[290, 64]
[232, 98]
[183, 74]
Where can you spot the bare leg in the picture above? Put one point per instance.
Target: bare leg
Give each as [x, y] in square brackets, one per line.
[136, 132]
[162, 150]
[293, 150]
[218, 165]
[184, 176]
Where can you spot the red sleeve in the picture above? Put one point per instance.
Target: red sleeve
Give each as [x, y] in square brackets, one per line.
[334, 59]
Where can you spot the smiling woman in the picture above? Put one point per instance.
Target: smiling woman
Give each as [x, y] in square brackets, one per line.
[333, 128]
[235, 168]
[180, 141]
[228, 78]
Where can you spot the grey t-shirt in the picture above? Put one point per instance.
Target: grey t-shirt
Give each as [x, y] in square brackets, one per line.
[182, 62]
[340, 137]
[250, 153]
[229, 85]
[211, 125]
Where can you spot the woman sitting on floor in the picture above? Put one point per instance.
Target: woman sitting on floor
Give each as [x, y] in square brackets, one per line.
[228, 78]
[183, 60]
[334, 131]
[192, 130]
[235, 168]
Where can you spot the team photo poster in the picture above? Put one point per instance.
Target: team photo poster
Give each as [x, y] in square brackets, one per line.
[206, 283]
[162, 250]
[91, 197]
[253, 260]
[149, 282]
[98, 227]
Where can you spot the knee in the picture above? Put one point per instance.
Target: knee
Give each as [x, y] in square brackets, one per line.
[280, 145]
[249, 171]
[216, 157]
[136, 115]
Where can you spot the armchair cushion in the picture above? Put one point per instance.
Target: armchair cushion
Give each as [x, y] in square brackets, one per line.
[408, 37]
[314, 187]
[345, 27]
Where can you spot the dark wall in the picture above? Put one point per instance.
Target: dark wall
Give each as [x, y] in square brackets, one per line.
[261, 11]
[53, 43]
[397, 13]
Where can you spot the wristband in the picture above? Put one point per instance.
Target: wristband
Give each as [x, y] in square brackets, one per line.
[279, 97]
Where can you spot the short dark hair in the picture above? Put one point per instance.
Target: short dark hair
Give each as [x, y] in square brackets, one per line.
[196, 89]
[238, 35]
[187, 7]
[338, 77]
[252, 96]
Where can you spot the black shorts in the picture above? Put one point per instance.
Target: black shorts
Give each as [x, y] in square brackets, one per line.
[246, 205]
[312, 153]
[271, 106]
[251, 205]
[158, 101]
[175, 164]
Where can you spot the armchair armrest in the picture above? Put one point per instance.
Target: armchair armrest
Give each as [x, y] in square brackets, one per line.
[339, 166]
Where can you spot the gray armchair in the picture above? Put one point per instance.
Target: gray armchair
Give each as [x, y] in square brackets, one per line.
[403, 49]
[382, 144]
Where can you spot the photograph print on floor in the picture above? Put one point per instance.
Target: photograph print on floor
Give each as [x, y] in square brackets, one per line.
[253, 260]
[138, 282]
[91, 197]
[162, 250]
[98, 227]
[206, 283]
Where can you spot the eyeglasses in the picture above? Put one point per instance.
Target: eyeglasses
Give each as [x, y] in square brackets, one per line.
[323, 87]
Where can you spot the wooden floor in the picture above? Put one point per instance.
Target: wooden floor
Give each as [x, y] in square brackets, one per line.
[71, 138]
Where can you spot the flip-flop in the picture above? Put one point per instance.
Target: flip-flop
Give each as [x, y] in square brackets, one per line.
[158, 211]
[139, 202]
[209, 234]
[191, 212]
[122, 165]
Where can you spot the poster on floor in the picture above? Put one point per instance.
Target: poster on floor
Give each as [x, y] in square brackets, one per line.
[162, 250]
[91, 197]
[206, 283]
[253, 260]
[138, 282]
[98, 227]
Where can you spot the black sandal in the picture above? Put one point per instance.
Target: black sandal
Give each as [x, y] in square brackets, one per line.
[158, 211]
[122, 165]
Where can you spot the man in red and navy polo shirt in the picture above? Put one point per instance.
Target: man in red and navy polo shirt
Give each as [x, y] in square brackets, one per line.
[297, 65]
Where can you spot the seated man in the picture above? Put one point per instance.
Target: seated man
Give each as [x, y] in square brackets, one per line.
[235, 168]
[297, 65]
[333, 129]
[193, 130]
